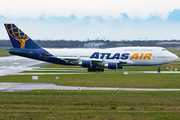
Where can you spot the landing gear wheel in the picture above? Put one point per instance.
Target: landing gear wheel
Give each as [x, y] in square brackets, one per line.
[89, 69]
[93, 69]
[159, 69]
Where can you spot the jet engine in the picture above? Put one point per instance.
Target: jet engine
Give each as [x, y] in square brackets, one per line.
[86, 63]
[111, 65]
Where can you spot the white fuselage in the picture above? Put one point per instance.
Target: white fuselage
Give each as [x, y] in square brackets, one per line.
[124, 56]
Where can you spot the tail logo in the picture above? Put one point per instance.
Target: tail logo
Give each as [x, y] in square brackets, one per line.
[17, 34]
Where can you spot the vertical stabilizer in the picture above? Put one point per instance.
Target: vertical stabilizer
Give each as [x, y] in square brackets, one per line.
[19, 39]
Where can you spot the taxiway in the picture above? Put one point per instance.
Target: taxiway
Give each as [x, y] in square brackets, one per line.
[16, 64]
[23, 87]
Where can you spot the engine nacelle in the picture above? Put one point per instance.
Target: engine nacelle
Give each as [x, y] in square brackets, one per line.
[111, 65]
[86, 63]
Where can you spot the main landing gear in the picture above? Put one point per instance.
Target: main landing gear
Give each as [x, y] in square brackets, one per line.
[94, 69]
[159, 69]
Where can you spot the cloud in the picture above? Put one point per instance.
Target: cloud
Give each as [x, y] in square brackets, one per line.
[174, 15]
[81, 8]
[92, 26]
[124, 15]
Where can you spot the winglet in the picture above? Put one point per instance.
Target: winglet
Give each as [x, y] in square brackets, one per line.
[19, 39]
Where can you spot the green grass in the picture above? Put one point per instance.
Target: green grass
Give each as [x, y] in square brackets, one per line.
[3, 52]
[92, 105]
[140, 80]
[175, 51]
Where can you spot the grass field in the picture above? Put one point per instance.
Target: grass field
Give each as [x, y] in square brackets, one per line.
[140, 80]
[3, 52]
[93, 105]
[175, 51]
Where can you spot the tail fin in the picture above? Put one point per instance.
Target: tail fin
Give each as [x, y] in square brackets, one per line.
[19, 39]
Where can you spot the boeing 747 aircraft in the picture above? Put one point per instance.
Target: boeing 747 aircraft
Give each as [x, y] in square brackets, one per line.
[93, 59]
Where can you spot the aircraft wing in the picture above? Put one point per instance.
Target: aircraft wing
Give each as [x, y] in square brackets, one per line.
[126, 62]
[94, 60]
[123, 61]
[68, 58]
[76, 58]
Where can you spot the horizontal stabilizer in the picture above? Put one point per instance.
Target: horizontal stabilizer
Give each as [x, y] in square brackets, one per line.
[20, 52]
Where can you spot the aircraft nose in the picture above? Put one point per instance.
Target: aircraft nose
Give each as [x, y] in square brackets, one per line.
[176, 57]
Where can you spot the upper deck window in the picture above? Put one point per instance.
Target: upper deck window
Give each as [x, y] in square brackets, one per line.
[147, 50]
[131, 50]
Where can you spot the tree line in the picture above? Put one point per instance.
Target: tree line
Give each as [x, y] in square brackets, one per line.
[107, 43]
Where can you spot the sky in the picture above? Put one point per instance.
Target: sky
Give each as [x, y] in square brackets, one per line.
[93, 19]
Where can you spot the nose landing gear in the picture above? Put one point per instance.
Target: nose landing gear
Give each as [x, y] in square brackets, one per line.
[159, 69]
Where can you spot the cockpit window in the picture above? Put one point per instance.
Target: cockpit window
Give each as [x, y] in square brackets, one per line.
[164, 50]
